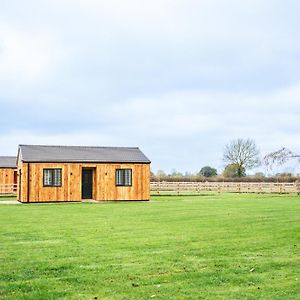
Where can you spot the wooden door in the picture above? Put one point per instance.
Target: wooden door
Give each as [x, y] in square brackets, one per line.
[15, 181]
[87, 184]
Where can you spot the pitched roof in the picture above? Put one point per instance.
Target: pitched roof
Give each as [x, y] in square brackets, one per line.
[8, 162]
[38, 153]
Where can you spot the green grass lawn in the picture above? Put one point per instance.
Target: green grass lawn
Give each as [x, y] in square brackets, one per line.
[226, 246]
[7, 198]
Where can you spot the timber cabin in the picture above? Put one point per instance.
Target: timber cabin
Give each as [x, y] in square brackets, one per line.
[74, 173]
[8, 174]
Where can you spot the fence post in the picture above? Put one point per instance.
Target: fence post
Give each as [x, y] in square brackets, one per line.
[297, 183]
[219, 187]
[260, 188]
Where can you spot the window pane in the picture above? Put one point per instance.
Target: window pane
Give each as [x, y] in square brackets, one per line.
[57, 177]
[119, 177]
[47, 177]
[127, 177]
[123, 177]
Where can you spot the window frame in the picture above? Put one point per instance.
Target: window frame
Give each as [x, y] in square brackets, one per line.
[116, 177]
[52, 170]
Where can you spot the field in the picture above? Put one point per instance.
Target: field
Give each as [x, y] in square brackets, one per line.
[226, 246]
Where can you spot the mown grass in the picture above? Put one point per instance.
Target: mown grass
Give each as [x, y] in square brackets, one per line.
[7, 197]
[224, 246]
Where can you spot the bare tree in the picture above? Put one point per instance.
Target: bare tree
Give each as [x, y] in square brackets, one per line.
[243, 153]
[279, 157]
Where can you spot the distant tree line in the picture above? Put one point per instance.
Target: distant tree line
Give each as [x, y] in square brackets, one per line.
[239, 156]
[280, 177]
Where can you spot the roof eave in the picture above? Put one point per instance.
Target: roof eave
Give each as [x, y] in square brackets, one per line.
[85, 161]
[8, 167]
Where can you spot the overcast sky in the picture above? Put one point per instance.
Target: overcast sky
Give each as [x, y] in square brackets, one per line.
[179, 79]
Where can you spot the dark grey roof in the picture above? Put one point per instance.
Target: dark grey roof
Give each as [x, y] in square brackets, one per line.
[8, 162]
[38, 153]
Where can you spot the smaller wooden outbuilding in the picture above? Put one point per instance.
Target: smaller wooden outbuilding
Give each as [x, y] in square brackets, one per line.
[8, 174]
[74, 173]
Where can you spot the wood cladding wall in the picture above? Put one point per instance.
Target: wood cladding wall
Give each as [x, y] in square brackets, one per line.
[7, 175]
[104, 187]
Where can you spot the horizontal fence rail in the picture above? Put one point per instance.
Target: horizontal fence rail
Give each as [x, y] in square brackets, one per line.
[197, 187]
[221, 187]
[8, 189]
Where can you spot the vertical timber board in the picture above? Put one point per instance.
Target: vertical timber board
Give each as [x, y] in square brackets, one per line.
[2, 176]
[24, 184]
[65, 181]
[94, 183]
[135, 190]
[20, 179]
[74, 179]
[99, 170]
[75, 182]
[7, 175]
[146, 182]
[33, 194]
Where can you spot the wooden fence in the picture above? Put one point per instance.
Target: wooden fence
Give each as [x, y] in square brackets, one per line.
[198, 187]
[221, 187]
[8, 189]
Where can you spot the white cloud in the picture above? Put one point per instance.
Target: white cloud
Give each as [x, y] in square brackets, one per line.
[14, 138]
[178, 78]
[182, 130]
[25, 57]
[204, 122]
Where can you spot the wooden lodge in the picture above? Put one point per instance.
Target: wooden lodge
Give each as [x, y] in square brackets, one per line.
[8, 174]
[74, 173]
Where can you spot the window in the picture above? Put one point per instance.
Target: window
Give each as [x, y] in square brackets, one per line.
[123, 177]
[52, 177]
